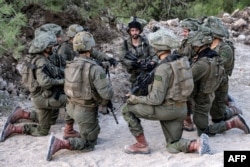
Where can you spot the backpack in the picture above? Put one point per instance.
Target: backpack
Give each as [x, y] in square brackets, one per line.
[183, 83]
[28, 73]
[215, 75]
[77, 84]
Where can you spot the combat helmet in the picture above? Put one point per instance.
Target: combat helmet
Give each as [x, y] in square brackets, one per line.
[54, 28]
[42, 41]
[218, 29]
[83, 41]
[201, 37]
[191, 24]
[73, 30]
[164, 39]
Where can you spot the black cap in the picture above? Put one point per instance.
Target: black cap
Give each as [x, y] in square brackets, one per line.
[134, 24]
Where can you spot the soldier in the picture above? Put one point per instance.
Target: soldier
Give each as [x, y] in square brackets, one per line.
[42, 92]
[67, 52]
[87, 88]
[143, 56]
[208, 72]
[55, 59]
[188, 25]
[163, 102]
[220, 110]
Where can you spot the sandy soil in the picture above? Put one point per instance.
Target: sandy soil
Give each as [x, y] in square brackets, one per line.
[28, 151]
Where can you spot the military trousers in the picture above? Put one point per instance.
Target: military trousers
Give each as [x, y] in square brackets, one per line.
[44, 111]
[170, 115]
[219, 107]
[201, 109]
[86, 118]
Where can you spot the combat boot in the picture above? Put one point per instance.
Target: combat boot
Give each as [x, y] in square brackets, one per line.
[140, 147]
[200, 145]
[237, 122]
[188, 124]
[9, 129]
[17, 114]
[69, 131]
[55, 145]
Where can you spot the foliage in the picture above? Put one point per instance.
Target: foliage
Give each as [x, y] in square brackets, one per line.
[11, 23]
[12, 20]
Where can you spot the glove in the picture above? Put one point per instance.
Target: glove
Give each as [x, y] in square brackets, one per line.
[113, 62]
[132, 99]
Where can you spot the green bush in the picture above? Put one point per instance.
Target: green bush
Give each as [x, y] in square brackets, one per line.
[11, 23]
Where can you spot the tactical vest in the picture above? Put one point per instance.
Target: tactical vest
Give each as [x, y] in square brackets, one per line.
[214, 76]
[29, 80]
[77, 80]
[182, 80]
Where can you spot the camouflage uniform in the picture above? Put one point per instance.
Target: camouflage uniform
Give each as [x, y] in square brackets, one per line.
[144, 55]
[67, 52]
[219, 107]
[220, 110]
[208, 73]
[159, 104]
[44, 99]
[55, 58]
[202, 100]
[155, 106]
[83, 107]
[42, 92]
[86, 115]
[143, 51]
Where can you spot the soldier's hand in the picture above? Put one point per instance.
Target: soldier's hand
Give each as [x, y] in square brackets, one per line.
[113, 62]
[132, 99]
[103, 109]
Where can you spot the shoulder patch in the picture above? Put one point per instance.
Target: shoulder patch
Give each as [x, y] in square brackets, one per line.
[158, 78]
[102, 76]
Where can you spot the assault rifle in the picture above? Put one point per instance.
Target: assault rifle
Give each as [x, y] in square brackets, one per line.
[111, 107]
[107, 109]
[58, 89]
[142, 82]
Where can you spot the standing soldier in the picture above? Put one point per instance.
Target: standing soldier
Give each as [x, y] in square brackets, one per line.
[208, 72]
[86, 87]
[219, 110]
[136, 54]
[42, 88]
[163, 102]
